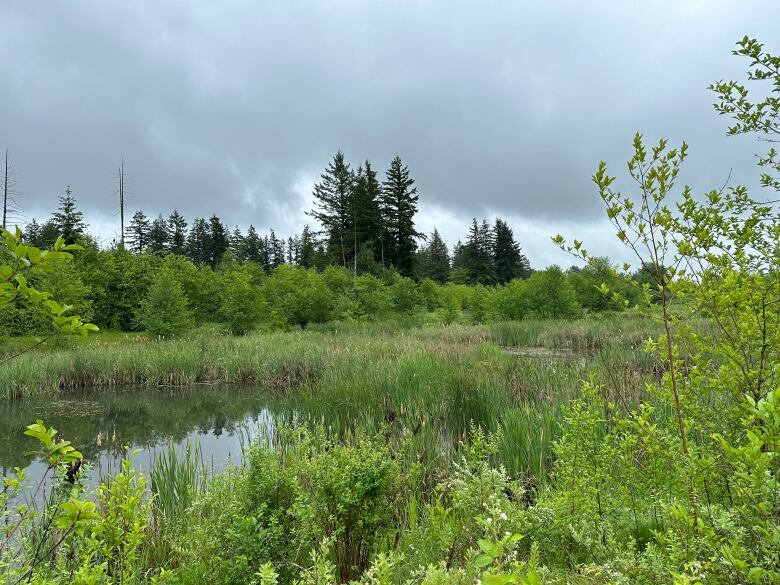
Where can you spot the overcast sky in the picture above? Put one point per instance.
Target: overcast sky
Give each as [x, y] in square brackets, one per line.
[235, 107]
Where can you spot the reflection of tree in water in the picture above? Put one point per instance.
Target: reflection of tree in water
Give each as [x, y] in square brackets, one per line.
[110, 421]
[220, 422]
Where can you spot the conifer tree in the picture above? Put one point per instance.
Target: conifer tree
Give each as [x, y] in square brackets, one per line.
[49, 234]
[434, 259]
[138, 232]
[177, 230]
[252, 247]
[275, 251]
[218, 241]
[158, 235]
[333, 207]
[509, 261]
[399, 205]
[237, 243]
[198, 244]
[475, 257]
[32, 234]
[308, 251]
[293, 250]
[68, 220]
[266, 254]
[366, 212]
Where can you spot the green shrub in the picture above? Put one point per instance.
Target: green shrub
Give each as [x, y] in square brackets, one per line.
[549, 295]
[241, 306]
[165, 312]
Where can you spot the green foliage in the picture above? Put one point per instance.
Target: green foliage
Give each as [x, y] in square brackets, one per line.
[433, 260]
[286, 501]
[751, 116]
[371, 297]
[78, 536]
[15, 288]
[241, 306]
[297, 296]
[165, 312]
[549, 294]
[67, 221]
[511, 301]
[406, 297]
[697, 469]
[666, 465]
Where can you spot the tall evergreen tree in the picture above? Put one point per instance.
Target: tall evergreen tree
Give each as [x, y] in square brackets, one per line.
[275, 250]
[366, 212]
[177, 230]
[217, 242]
[265, 257]
[68, 220]
[158, 235]
[434, 260]
[509, 261]
[198, 242]
[293, 250]
[32, 234]
[308, 251]
[399, 205]
[252, 247]
[237, 243]
[333, 208]
[475, 257]
[138, 232]
[49, 234]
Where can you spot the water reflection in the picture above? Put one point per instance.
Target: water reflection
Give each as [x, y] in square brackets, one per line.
[107, 425]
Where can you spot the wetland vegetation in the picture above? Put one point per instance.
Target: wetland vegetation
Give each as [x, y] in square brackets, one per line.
[401, 423]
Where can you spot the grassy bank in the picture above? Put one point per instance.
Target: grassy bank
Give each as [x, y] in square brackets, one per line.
[428, 381]
[293, 359]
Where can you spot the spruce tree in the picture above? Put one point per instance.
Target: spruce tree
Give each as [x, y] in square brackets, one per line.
[475, 257]
[217, 242]
[138, 232]
[265, 254]
[177, 229]
[198, 244]
[435, 259]
[49, 234]
[293, 250]
[308, 251]
[333, 208]
[237, 243]
[32, 234]
[158, 235]
[275, 251]
[68, 220]
[509, 261]
[399, 205]
[251, 246]
[366, 212]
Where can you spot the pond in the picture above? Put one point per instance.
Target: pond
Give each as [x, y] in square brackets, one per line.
[106, 425]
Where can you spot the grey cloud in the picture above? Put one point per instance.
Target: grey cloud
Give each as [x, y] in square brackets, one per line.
[225, 107]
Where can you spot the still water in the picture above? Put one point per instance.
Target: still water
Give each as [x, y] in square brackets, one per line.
[107, 425]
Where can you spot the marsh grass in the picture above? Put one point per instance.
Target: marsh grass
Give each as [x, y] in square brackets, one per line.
[427, 382]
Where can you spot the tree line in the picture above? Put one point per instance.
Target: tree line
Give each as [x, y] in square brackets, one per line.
[367, 226]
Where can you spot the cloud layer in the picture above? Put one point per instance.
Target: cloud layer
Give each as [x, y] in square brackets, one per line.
[235, 107]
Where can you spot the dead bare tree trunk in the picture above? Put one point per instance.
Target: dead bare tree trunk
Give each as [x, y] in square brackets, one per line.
[122, 202]
[5, 191]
